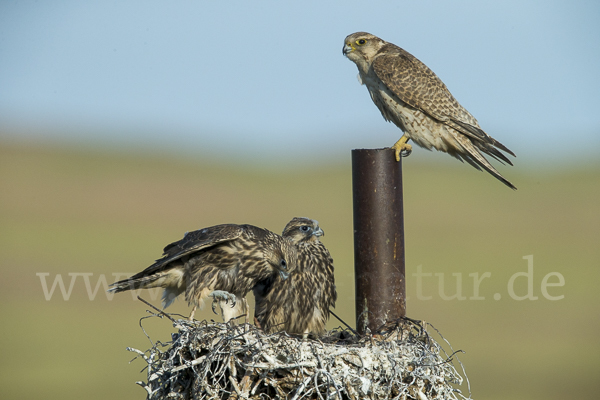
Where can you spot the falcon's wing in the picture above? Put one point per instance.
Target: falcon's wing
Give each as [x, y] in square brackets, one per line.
[191, 243]
[413, 82]
[200, 240]
[419, 87]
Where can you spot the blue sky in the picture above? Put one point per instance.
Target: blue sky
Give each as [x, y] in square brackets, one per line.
[267, 80]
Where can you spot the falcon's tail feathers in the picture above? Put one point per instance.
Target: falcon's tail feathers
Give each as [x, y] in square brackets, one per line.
[472, 155]
[482, 140]
[133, 284]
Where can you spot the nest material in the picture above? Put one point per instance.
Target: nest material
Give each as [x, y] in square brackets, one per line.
[208, 360]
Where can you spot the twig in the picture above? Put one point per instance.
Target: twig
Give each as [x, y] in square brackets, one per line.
[271, 367]
[343, 322]
[189, 364]
[235, 387]
[301, 387]
[159, 310]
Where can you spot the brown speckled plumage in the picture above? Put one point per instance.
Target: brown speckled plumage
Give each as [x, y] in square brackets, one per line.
[410, 95]
[232, 258]
[300, 304]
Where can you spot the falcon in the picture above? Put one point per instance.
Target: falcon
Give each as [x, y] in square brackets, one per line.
[222, 261]
[300, 304]
[410, 95]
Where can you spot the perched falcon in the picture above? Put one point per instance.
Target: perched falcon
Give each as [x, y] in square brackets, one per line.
[219, 259]
[300, 304]
[411, 96]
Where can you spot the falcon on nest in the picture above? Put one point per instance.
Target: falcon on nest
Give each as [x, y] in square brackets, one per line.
[300, 304]
[223, 261]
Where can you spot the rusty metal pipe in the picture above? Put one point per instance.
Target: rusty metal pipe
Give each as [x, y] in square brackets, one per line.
[378, 238]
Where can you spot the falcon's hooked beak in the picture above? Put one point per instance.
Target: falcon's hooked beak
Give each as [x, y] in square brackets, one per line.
[348, 48]
[284, 275]
[319, 232]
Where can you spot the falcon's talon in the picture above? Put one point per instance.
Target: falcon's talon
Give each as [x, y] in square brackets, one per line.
[402, 149]
[222, 295]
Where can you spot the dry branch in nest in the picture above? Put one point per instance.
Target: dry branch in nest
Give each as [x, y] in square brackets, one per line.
[208, 360]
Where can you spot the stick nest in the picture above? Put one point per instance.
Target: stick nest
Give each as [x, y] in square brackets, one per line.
[208, 360]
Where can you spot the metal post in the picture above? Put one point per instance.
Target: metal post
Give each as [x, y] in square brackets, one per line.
[378, 238]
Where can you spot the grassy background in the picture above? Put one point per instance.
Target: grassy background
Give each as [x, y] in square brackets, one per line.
[68, 210]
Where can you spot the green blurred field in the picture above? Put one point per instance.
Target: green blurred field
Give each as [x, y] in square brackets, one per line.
[80, 211]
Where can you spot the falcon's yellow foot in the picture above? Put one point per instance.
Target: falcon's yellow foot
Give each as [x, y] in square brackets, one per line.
[402, 148]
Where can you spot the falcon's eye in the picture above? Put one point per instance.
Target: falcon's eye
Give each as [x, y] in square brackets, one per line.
[283, 264]
[360, 42]
[304, 228]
